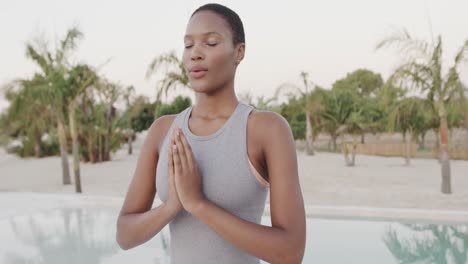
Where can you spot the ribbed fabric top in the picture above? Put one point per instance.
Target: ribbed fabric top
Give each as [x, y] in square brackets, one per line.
[227, 181]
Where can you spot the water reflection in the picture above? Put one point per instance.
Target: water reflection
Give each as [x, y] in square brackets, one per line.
[87, 235]
[73, 235]
[427, 243]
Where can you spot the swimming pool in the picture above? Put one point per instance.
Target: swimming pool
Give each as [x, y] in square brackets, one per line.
[54, 229]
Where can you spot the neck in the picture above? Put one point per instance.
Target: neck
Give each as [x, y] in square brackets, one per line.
[220, 103]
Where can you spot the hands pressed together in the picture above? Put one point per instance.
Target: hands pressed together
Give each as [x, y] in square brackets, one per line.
[184, 179]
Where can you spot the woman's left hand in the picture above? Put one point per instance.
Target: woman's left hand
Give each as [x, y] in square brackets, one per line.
[188, 180]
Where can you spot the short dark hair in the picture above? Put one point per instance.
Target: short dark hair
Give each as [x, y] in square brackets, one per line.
[231, 17]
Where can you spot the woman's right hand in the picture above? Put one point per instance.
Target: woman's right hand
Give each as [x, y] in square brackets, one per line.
[172, 201]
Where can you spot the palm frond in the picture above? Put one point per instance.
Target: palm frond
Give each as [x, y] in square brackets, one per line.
[69, 43]
[246, 97]
[168, 59]
[171, 81]
[43, 62]
[289, 89]
[462, 54]
[406, 44]
[418, 76]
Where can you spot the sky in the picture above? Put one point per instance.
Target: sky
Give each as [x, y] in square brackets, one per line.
[327, 39]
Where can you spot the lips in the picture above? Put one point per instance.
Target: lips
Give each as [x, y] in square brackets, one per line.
[197, 72]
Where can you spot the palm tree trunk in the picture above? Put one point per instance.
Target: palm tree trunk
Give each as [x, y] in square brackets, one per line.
[88, 109]
[444, 155]
[334, 137]
[63, 150]
[107, 134]
[37, 143]
[407, 148]
[423, 136]
[130, 140]
[353, 153]
[437, 138]
[130, 136]
[466, 119]
[75, 146]
[107, 145]
[344, 147]
[100, 149]
[309, 139]
[91, 146]
[130, 149]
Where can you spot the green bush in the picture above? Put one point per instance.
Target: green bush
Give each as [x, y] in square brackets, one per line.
[179, 104]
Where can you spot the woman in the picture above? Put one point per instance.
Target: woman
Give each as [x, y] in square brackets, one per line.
[214, 163]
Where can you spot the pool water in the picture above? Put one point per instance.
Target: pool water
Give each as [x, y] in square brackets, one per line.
[87, 235]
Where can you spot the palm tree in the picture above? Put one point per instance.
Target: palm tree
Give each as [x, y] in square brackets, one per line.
[348, 113]
[131, 112]
[355, 125]
[175, 74]
[27, 112]
[367, 84]
[265, 104]
[134, 106]
[422, 70]
[410, 115]
[427, 243]
[309, 106]
[80, 78]
[339, 104]
[54, 69]
[109, 94]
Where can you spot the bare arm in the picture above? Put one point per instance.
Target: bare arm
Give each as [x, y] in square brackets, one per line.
[137, 222]
[284, 241]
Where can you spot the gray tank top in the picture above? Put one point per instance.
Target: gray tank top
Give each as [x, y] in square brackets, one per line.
[227, 181]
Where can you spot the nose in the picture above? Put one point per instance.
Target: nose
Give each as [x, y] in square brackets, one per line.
[196, 53]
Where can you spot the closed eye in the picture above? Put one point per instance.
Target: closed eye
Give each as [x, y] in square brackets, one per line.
[209, 44]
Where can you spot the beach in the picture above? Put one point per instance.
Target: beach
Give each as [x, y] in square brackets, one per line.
[375, 182]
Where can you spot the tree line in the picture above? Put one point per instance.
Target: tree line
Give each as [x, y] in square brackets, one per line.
[71, 106]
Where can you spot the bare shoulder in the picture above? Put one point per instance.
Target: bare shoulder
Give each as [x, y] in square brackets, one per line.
[164, 120]
[261, 122]
[268, 132]
[159, 129]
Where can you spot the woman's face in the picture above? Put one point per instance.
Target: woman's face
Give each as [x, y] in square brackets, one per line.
[210, 57]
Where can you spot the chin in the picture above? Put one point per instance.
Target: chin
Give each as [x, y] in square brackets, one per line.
[200, 87]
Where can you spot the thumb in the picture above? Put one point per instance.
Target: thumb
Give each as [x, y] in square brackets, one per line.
[170, 161]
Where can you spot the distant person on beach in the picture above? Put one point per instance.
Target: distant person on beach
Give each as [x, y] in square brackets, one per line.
[213, 164]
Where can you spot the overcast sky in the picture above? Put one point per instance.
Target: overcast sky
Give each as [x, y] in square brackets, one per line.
[327, 39]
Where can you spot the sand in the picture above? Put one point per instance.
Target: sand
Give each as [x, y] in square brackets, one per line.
[326, 183]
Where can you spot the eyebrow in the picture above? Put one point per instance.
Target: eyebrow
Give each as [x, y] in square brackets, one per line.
[204, 34]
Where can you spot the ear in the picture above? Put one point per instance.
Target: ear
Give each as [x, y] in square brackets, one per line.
[240, 52]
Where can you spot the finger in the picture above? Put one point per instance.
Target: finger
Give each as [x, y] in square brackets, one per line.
[187, 150]
[177, 164]
[181, 151]
[170, 160]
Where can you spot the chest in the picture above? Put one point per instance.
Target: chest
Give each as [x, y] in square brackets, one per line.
[227, 179]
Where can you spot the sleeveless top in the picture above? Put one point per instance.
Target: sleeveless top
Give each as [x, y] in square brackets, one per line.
[228, 180]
